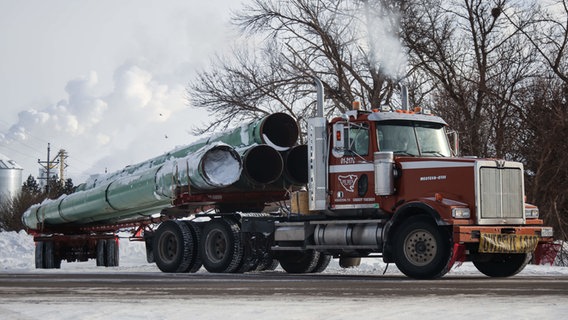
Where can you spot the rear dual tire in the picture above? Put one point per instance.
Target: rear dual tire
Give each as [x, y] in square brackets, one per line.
[175, 247]
[221, 247]
[45, 255]
[107, 253]
[308, 261]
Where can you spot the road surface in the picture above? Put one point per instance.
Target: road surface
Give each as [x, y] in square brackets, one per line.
[159, 285]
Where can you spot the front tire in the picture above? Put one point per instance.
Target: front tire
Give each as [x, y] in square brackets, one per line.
[502, 264]
[421, 249]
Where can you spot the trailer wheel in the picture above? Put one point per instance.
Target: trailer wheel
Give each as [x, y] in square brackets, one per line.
[45, 255]
[50, 259]
[101, 253]
[39, 254]
[196, 262]
[421, 250]
[501, 265]
[221, 246]
[107, 253]
[299, 261]
[112, 254]
[173, 246]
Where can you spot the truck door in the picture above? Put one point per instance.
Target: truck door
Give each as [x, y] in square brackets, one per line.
[351, 167]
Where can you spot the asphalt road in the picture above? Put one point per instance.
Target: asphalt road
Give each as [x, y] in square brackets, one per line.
[158, 285]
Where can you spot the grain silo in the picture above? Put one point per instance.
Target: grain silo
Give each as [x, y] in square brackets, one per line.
[10, 177]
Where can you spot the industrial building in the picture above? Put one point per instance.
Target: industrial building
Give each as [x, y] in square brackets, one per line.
[10, 177]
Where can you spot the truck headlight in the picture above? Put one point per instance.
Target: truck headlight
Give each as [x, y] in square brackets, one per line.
[460, 213]
[531, 213]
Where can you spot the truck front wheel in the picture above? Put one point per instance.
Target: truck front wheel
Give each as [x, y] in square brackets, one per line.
[501, 264]
[421, 249]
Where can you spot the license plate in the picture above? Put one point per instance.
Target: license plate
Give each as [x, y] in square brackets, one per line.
[507, 243]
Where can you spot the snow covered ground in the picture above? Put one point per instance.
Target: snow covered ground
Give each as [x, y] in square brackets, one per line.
[17, 255]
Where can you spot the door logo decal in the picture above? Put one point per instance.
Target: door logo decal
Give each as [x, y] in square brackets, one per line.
[348, 182]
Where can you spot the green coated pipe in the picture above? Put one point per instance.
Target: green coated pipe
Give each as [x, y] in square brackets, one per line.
[143, 189]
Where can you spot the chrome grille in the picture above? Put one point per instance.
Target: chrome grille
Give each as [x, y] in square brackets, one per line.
[501, 194]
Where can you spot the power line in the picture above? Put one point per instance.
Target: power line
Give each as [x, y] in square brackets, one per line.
[18, 151]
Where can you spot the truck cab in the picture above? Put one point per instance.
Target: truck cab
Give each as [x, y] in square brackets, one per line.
[361, 139]
[389, 184]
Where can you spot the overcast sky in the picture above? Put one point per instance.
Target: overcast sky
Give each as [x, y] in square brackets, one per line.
[103, 79]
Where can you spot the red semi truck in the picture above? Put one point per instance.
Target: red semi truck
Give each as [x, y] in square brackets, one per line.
[381, 183]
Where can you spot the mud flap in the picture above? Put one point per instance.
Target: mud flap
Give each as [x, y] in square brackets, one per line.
[458, 255]
[546, 253]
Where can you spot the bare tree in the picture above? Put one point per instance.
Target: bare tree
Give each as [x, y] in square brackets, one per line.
[476, 64]
[334, 40]
[544, 107]
[545, 147]
[547, 31]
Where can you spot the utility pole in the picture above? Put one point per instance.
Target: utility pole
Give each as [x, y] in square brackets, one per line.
[50, 164]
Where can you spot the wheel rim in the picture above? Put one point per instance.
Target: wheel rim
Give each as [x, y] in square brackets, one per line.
[216, 245]
[420, 247]
[168, 247]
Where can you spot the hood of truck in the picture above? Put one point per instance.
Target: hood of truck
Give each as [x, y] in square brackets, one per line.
[493, 189]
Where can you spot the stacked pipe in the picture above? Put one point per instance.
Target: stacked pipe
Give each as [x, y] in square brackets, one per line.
[257, 156]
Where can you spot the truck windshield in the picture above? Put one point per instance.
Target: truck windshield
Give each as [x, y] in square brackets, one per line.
[413, 138]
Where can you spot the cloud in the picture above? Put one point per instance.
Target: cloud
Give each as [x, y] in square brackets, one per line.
[113, 129]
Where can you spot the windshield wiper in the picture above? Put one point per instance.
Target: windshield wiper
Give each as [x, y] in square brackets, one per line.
[404, 153]
[434, 152]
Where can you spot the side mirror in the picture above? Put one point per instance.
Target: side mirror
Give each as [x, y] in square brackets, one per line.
[454, 139]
